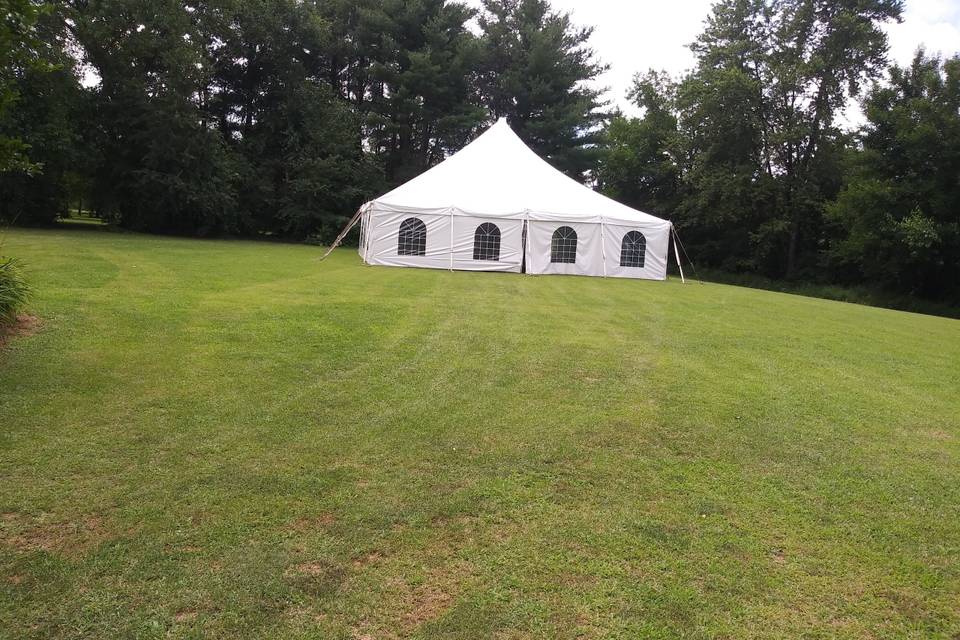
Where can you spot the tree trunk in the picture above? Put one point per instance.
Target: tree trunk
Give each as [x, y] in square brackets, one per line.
[793, 246]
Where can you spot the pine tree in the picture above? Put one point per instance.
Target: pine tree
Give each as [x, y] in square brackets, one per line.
[537, 71]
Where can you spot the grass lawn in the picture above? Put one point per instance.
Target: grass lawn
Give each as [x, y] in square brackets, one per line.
[216, 439]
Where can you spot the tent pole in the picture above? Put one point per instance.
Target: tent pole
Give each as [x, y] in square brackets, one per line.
[676, 254]
[451, 238]
[343, 234]
[603, 248]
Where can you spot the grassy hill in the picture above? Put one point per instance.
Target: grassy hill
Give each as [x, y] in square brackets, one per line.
[232, 439]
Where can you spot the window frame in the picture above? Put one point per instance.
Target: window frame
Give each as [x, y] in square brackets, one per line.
[563, 248]
[486, 242]
[633, 256]
[412, 238]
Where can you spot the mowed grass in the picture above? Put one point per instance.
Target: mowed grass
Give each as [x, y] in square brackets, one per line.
[217, 439]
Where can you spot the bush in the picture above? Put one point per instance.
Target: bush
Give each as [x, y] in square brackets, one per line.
[13, 289]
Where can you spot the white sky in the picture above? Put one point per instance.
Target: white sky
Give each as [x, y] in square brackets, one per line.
[632, 36]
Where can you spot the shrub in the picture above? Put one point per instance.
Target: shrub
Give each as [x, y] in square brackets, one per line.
[14, 290]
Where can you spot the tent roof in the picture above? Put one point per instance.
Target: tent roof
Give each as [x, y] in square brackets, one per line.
[497, 175]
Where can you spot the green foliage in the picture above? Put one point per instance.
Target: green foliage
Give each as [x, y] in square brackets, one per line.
[277, 117]
[50, 117]
[163, 168]
[746, 143]
[305, 170]
[417, 88]
[898, 217]
[280, 118]
[758, 116]
[14, 290]
[639, 166]
[20, 53]
[534, 71]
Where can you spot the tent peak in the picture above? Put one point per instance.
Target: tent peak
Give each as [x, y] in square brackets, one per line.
[498, 175]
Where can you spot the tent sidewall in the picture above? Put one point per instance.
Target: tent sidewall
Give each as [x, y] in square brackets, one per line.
[450, 244]
[589, 256]
[383, 239]
[655, 258]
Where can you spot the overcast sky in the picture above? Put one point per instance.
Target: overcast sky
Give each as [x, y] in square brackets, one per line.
[633, 36]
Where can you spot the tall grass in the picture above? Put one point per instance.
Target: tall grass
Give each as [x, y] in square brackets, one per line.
[14, 289]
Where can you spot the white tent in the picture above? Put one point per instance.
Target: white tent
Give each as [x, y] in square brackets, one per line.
[496, 202]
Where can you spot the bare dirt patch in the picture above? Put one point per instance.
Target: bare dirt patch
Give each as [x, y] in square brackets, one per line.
[312, 568]
[70, 538]
[368, 559]
[24, 325]
[185, 615]
[306, 614]
[320, 578]
[429, 601]
[907, 605]
[323, 521]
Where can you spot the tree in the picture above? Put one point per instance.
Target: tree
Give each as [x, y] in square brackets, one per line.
[898, 216]
[44, 123]
[640, 164]
[536, 71]
[164, 167]
[423, 104]
[302, 167]
[306, 173]
[47, 120]
[757, 149]
[20, 53]
[822, 52]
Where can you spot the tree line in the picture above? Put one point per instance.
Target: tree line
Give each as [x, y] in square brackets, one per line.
[746, 154]
[280, 117]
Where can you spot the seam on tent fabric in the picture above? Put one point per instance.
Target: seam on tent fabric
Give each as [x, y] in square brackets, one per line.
[526, 248]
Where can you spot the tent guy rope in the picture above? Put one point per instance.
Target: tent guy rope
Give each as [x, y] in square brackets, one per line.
[343, 234]
[677, 243]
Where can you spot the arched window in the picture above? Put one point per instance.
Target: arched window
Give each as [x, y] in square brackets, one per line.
[413, 238]
[486, 242]
[633, 250]
[563, 248]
